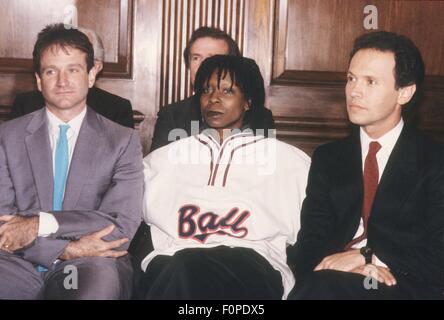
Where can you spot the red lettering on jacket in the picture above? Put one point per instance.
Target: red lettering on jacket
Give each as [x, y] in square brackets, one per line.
[199, 227]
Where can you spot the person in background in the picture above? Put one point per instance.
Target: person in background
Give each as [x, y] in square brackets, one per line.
[204, 42]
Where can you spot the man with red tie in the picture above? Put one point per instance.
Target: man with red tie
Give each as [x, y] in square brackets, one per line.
[372, 224]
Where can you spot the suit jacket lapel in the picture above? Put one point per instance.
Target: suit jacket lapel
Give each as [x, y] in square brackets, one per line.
[190, 112]
[83, 159]
[195, 113]
[398, 179]
[350, 190]
[40, 156]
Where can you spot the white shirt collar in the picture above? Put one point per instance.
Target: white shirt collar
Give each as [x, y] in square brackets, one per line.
[387, 141]
[74, 124]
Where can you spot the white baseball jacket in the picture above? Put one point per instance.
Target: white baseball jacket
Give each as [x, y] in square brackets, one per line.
[247, 192]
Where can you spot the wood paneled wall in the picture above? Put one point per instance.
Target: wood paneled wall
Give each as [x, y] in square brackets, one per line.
[312, 41]
[323, 31]
[18, 31]
[180, 18]
[116, 33]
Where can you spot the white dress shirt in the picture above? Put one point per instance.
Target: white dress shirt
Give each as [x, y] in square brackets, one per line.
[47, 223]
[387, 142]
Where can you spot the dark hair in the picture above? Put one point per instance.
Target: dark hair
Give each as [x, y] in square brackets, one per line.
[409, 66]
[245, 74]
[209, 32]
[64, 36]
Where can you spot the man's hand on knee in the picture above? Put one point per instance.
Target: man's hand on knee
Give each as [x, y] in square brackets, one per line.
[381, 274]
[94, 246]
[17, 231]
[344, 261]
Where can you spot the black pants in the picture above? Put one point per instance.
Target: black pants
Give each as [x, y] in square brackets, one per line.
[333, 285]
[211, 273]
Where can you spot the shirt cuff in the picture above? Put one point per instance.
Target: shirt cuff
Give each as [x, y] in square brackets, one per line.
[47, 224]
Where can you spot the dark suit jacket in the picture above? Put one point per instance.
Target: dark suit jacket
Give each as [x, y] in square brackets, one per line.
[107, 104]
[406, 224]
[179, 116]
[104, 184]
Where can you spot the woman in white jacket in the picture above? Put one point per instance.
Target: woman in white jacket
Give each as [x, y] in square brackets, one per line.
[224, 204]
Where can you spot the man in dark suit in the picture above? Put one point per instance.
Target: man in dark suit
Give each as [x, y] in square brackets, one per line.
[184, 116]
[71, 185]
[103, 102]
[372, 223]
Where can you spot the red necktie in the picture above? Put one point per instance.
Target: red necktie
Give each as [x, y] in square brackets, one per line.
[371, 177]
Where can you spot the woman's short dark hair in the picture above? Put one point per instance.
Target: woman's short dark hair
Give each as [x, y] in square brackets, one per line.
[245, 74]
[409, 66]
[64, 36]
[209, 32]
